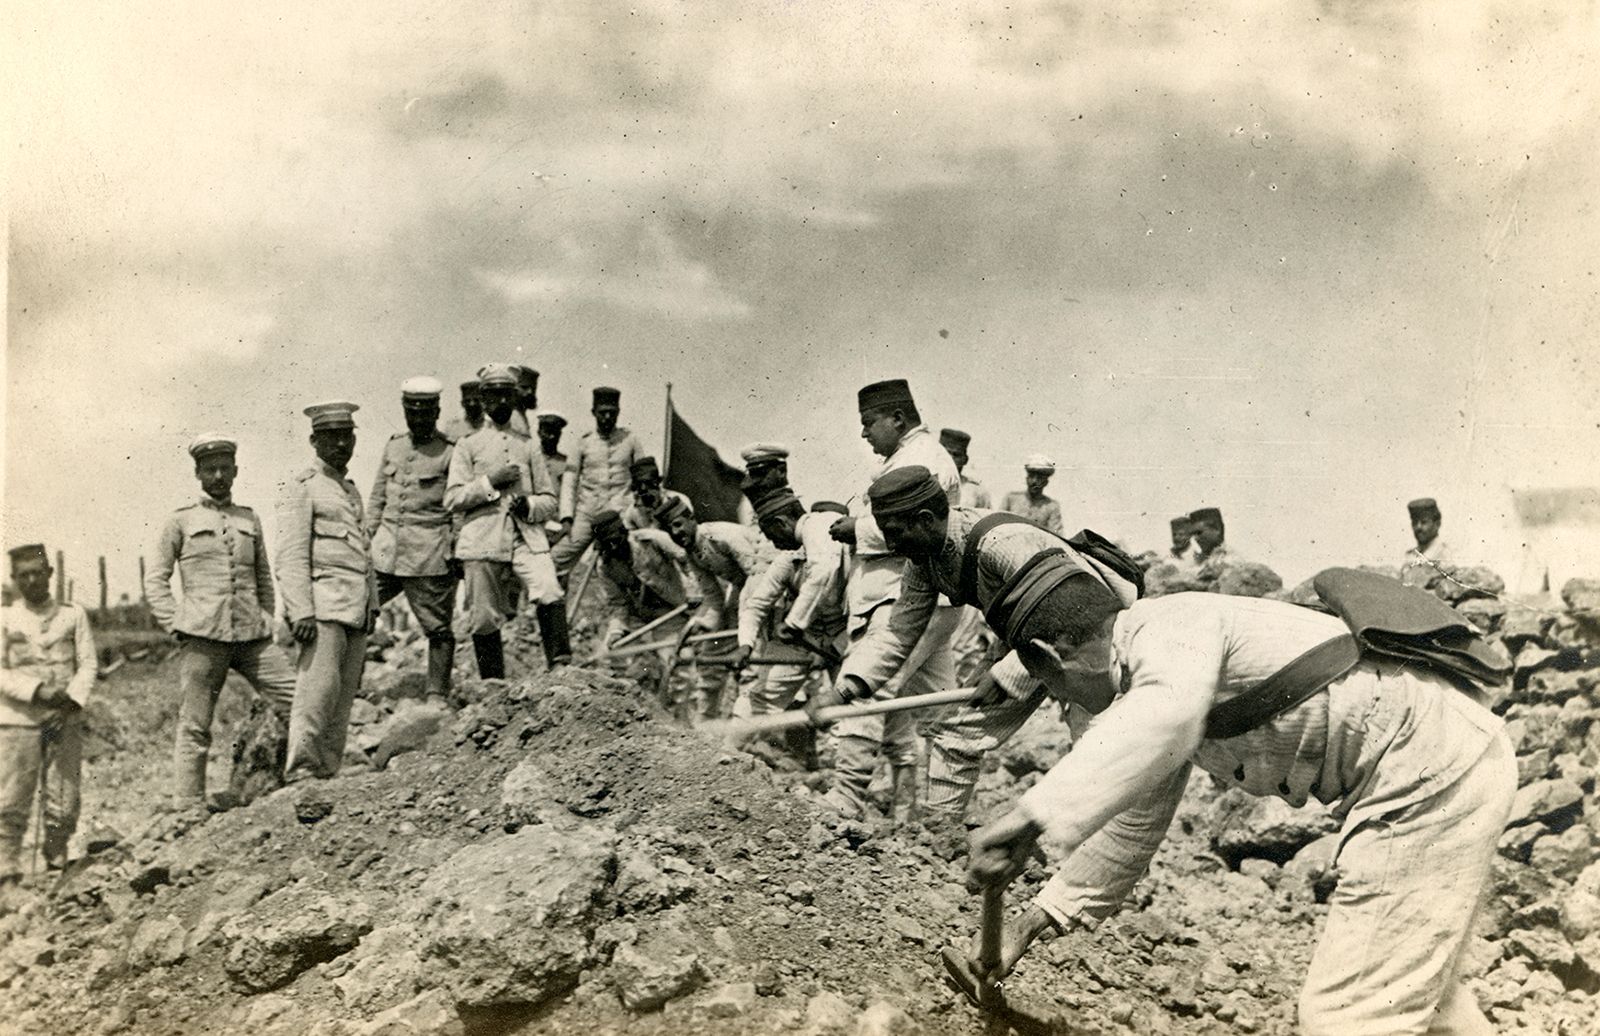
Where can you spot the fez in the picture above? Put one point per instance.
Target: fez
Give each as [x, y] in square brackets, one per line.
[1039, 462]
[527, 374]
[884, 394]
[672, 507]
[27, 552]
[764, 453]
[332, 415]
[550, 417]
[904, 490]
[829, 507]
[1206, 514]
[420, 390]
[779, 501]
[1180, 522]
[497, 374]
[470, 387]
[954, 438]
[605, 394]
[1423, 506]
[212, 442]
[607, 522]
[644, 467]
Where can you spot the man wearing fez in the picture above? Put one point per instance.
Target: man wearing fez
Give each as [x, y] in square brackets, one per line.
[1424, 562]
[413, 536]
[955, 443]
[47, 669]
[1027, 582]
[893, 428]
[1209, 534]
[638, 510]
[597, 474]
[639, 576]
[524, 412]
[551, 425]
[471, 419]
[330, 593]
[224, 619]
[1032, 503]
[766, 469]
[731, 555]
[501, 492]
[1181, 553]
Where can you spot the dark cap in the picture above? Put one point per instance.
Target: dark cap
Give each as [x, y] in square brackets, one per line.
[470, 388]
[642, 467]
[27, 552]
[550, 417]
[1206, 514]
[527, 374]
[954, 438]
[881, 394]
[607, 394]
[606, 522]
[778, 501]
[672, 506]
[904, 490]
[829, 507]
[1423, 505]
[1181, 522]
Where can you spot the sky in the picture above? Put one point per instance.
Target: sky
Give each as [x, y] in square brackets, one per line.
[1299, 261]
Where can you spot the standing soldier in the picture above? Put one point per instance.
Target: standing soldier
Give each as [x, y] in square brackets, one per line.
[224, 620]
[646, 495]
[1181, 552]
[471, 419]
[526, 409]
[499, 487]
[1426, 561]
[1211, 550]
[973, 640]
[412, 534]
[1032, 504]
[555, 462]
[597, 474]
[47, 669]
[955, 443]
[330, 596]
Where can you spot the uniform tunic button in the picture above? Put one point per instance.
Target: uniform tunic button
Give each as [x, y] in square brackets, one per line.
[1283, 787]
[1238, 774]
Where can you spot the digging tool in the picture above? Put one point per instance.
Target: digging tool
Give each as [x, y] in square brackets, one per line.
[715, 660]
[647, 627]
[576, 600]
[977, 984]
[664, 686]
[790, 719]
[656, 645]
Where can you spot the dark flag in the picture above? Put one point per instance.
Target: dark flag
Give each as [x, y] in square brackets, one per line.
[695, 469]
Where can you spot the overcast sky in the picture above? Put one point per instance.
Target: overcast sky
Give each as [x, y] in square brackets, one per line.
[1300, 261]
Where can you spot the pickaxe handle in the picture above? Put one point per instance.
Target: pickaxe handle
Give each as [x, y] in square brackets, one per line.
[795, 718]
[656, 645]
[647, 627]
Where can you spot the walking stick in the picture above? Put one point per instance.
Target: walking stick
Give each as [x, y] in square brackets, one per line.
[44, 790]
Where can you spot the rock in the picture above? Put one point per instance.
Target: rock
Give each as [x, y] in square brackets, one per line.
[100, 838]
[1247, 579]
[1268, 828]
[429, 1014]
[510, 920]
[662, 967]
[1562, 855]
[1467, 581]
[1517, 842]
[363, 712]
[1522, 626]
[384, 969]
[728, 1001]
[526, 786]
[769, 982]
[1580, 914]
[882, 1018]
[157, 942]
[1589, 879]
[409, 728]
[1543, 947]
[260, 748]
[1535, 766]
[1530, 658]
[1581, 595]
[829, 1012]
[289, 931]
[908, 928]
[1542, 800]
[1166, 578]
[1035, 753]
[147, 879]
[643, 887]
[1483, 612]
[312, 804]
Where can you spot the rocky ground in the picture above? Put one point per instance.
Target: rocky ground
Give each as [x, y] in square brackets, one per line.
[552, 856]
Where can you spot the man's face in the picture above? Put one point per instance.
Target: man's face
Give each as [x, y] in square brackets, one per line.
[31, 576]
[472, 403]
[216, 472]
[1181, 535]
[912, 535]
[527, 392]
[764, 473]
[335, 446]
[682, 529]
[1089, 673]
[647, 491]
[883, 430]
[421, 420]
[613, 541]
[499, 401]
[1037, 480]
[1207, 535]
[959, 455]
[780, 529]
[605, 417]
[1425, 527]
[550, 436]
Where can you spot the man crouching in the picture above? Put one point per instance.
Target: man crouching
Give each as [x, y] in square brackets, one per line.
[1420, 772]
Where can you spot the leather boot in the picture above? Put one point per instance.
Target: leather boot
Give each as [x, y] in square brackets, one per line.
[553, 633]
[491, 655]
[902, 794]
[441, 658]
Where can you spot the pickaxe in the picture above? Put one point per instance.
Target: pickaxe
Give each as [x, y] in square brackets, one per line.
[979, 986]
[739, 728]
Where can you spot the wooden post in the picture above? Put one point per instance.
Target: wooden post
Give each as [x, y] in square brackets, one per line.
[142, 598]
[61, 578]
[103, 601]
[72, 588]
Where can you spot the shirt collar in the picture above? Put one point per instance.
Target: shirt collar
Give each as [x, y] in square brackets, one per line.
[207, 501]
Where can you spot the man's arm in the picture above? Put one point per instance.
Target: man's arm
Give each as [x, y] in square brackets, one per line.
[14, 683]
[158, 580]
[266, 599]
[294, 551]
[542, 503]
[881, 653]
[376, 499]
[821, 574]
[568, 504]
[463, 492]
[762, 594]
[88, 671]
[1052, 519]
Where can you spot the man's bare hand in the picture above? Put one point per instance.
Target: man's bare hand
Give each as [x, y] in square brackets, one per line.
[998, 851]
[988, 691]
[505, 475]
[844, 530]
[304, 630]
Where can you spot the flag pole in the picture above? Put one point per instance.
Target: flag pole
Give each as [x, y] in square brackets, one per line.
[666, 439]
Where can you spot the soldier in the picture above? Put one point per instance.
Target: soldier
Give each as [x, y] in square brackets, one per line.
[500, 488]
[596, 475]
[893, 428]
[731, 555]
[638, 507]
[1425, 562]
[525, 413]
[47, 670]
[639, 577]
[1022, 579]
[330, 593]
[955, 443]
[766, 468]
[1181, 553]
[1208, 537]
[551, 425]
[1031, 503]
[471, 419]
[224, 620]
[413, 537]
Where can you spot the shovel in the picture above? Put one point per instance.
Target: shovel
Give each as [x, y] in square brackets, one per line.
[975, 983]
